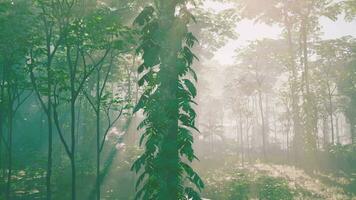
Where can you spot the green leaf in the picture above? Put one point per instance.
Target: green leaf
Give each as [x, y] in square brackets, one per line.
[144, 16]
[190, 87]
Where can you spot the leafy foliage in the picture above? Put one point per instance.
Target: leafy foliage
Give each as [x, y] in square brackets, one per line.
[169, 118]
[273, 189]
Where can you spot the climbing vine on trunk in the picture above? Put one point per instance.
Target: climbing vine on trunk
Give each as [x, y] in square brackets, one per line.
[168, 79]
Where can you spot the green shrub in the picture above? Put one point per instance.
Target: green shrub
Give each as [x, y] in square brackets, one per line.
[240, 189]
[269, 188]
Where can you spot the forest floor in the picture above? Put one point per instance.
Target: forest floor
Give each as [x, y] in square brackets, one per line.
[225, 182]
[318, 185]
[222, 181]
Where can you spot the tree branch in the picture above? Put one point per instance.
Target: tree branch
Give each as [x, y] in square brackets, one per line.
[59, 130]
[110, 124]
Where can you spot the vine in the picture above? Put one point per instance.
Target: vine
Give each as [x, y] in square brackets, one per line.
[167, 103]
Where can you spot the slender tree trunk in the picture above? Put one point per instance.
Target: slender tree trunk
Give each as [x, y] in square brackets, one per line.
[50, 128]
[248, 144]
[72, 130]
[73, 177]
[266, 118]
[325, 133]
[73, 98]
[287, 145]
[78, 126]
[2, 117]
[331, 115]
[98, 162]
[72, 157]
[275, 125]
[10, 132]
[262, 124]
[98, 137]
[241, 140]
[353, 131]
[49, 153]
[337, 130]
[237, 136]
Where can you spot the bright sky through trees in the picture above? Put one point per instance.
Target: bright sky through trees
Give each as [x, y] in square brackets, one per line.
[250, 31]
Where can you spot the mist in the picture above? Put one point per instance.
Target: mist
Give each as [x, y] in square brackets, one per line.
[177, 100]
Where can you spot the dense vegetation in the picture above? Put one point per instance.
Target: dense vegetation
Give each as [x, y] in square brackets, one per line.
[125, 100]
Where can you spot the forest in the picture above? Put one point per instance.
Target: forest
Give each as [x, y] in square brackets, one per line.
[178, 99]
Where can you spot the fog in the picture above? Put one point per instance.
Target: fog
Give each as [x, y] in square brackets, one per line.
[167, 100]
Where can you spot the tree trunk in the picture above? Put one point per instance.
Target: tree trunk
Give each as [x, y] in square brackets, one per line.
[168, 156]
[331, 115]
[337, 130]
[309, 140]
[248, 155]
[73, 98]
[287, 145]
[9, 167]
[293, 79]
[98, 150]
[353, 131]
[325, 134]
[49, 153]
[50, 129]
[262, 124]
[73, 177]
[72, 157]
[2, 117]
[241, 141]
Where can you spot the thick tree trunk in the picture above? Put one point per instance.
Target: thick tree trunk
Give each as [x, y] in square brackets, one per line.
[293, 79]
[309, 140]
[168, 156]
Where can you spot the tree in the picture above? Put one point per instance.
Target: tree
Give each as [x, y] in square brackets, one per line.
[239, 94]
[346, 86]
[211, 126]
[259, 69]
[300, 23]
[81, 42]
[166, 102]
[49, 36]
[349, 8]
[332, 55]
[104, 101]
[16, 22]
